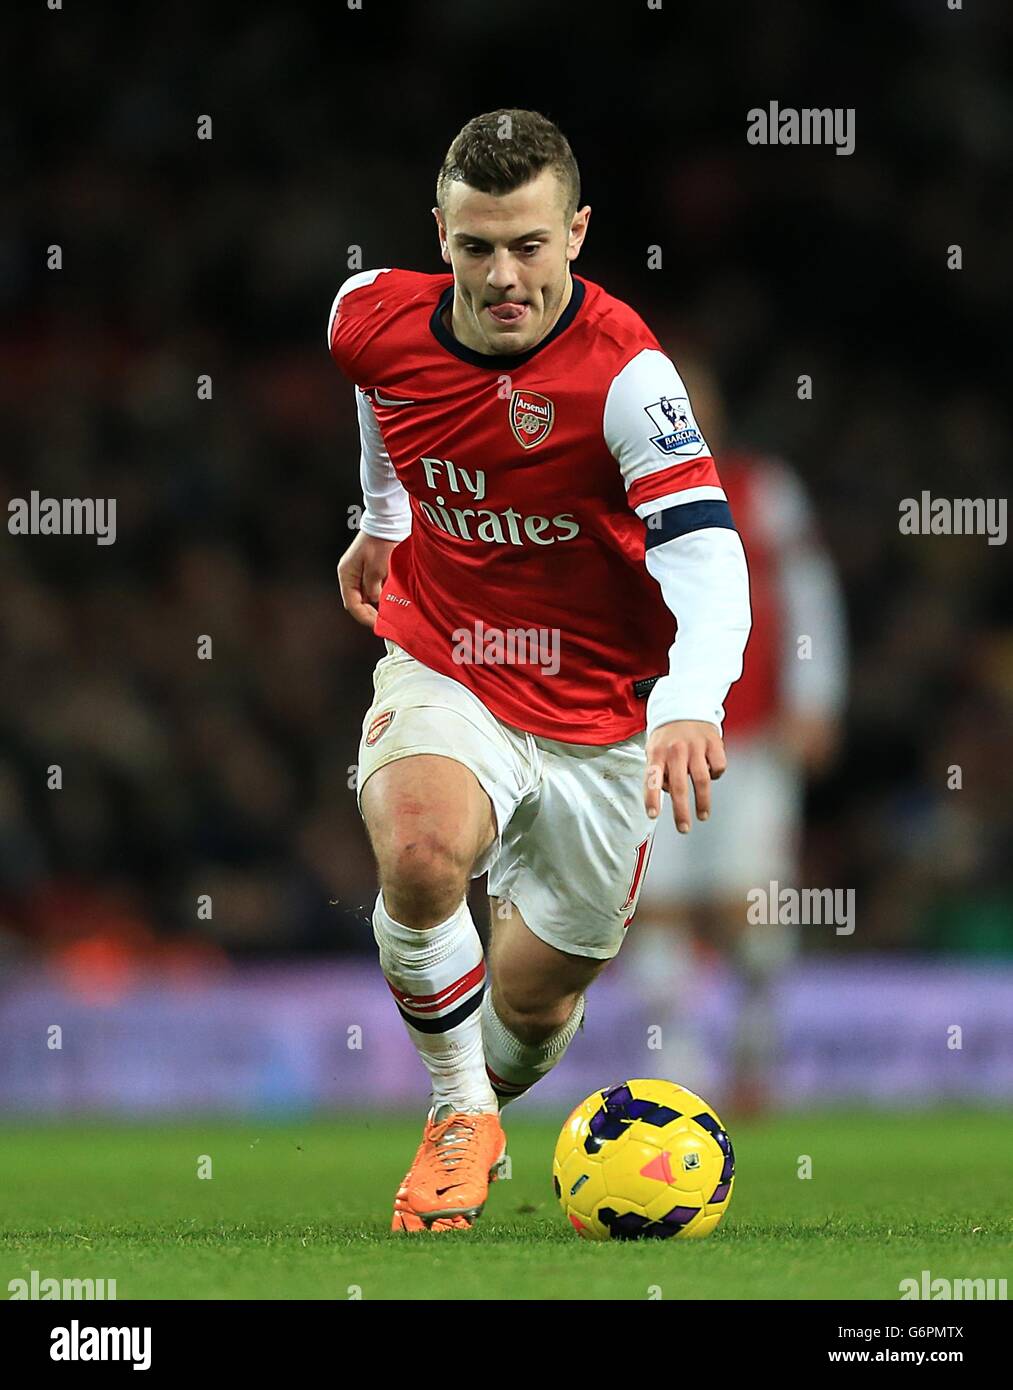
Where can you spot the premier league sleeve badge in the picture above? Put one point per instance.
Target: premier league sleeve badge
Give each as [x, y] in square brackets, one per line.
[677, 430]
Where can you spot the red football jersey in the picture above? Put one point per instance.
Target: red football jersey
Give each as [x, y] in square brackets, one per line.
[523, 473]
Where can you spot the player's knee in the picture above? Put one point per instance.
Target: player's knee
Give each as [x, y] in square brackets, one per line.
[423, 876]
[533, 1020]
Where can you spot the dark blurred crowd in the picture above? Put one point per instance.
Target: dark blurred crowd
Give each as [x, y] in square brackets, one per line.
[232, 777]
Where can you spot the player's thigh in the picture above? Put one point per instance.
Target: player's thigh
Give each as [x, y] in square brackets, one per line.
[437, 776]
[573, 860]
[530, 977]
[427, 804]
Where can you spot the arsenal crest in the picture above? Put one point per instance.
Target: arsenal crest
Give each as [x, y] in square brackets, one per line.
[379, 726]
[531, 417]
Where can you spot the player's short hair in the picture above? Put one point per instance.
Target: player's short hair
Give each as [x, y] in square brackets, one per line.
[503, 150]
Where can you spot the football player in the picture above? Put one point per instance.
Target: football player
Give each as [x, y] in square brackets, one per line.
[541, 510]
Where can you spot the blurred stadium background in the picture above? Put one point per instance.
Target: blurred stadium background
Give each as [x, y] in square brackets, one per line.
[232, 777]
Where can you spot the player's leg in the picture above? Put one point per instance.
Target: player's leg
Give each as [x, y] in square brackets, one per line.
[533, 1005]
[437, 777]
[565, 886]
[429, 821]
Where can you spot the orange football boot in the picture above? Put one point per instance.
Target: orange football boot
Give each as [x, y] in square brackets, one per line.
[445, 1188]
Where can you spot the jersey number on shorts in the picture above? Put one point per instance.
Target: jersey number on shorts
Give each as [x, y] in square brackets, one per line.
[643, 853]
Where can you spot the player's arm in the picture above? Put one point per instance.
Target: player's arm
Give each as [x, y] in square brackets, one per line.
[386, 516]
[386, 521]
[702, 575]
[694, 553]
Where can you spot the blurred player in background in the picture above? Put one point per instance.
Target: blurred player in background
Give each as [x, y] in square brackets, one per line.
[783, 725]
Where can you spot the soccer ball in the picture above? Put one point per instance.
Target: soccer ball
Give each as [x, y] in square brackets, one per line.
[643, 1159]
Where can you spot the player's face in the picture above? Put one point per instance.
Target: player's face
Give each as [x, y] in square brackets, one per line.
[511, 259]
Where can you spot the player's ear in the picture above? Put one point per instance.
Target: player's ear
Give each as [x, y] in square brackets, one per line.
[578, 231]
[441, 227]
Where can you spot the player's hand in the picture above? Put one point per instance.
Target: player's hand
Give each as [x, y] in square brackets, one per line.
[684, 750]
[362, 573]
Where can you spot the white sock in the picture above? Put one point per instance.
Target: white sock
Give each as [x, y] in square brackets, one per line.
[437, 977]
[514, 1066]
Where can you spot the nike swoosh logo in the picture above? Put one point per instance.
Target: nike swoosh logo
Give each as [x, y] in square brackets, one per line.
[440, 1190]
[382, 400]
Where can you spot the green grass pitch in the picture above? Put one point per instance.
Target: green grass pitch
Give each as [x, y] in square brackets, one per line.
[300, 1209]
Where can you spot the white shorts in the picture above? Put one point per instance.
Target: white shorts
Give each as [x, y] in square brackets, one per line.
[572, 837]
[752, 835]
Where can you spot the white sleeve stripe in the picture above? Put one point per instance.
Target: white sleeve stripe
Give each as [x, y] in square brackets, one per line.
[354, 282]
[679, 499]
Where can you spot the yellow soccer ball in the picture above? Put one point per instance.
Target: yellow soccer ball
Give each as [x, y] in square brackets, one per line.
[642, 1160]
